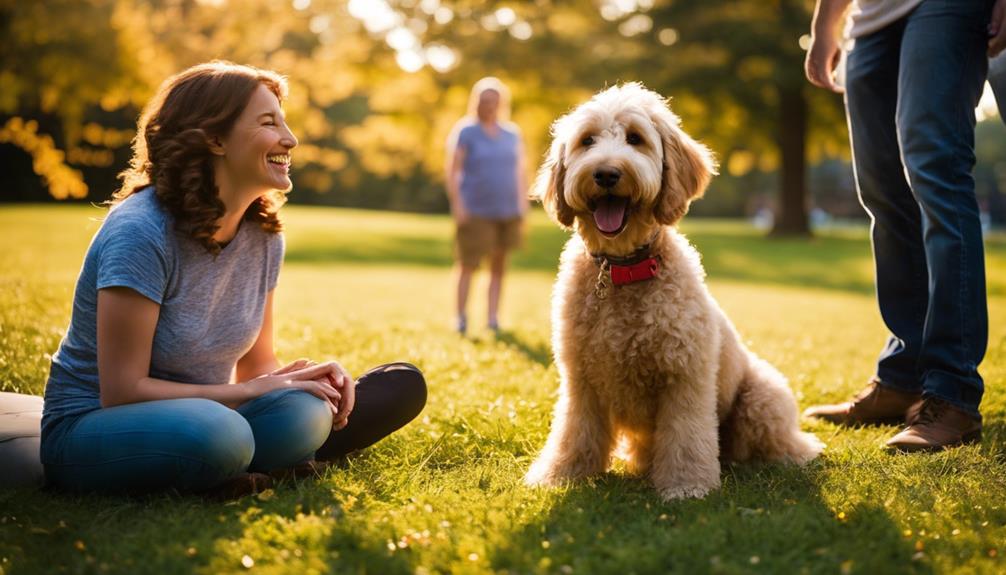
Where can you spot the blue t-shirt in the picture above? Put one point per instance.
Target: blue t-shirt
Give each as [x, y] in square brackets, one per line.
[211, 307]
[489, 173]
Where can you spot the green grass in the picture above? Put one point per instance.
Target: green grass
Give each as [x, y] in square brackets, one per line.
[444, 494]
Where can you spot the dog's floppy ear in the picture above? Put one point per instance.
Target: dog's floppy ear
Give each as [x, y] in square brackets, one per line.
[688, 167]
[548, 187]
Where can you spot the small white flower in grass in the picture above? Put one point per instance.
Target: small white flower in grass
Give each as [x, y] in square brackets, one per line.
[248, 562]
[473, 556]
[754, 560]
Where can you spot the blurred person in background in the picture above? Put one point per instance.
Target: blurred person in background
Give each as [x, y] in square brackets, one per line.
[487, 190]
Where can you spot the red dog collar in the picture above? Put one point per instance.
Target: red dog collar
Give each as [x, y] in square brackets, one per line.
[638, 266]
[644, 270]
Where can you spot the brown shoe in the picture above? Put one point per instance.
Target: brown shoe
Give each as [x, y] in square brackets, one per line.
[875, 405]
[938, 426]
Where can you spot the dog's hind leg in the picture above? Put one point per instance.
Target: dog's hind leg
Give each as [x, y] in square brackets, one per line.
[580, 442]
[764, 421]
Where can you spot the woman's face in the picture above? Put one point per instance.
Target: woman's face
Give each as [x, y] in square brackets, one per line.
[256, 153]
[489, 104]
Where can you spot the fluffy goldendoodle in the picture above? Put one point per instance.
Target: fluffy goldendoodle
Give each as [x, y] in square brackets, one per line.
[647, 359]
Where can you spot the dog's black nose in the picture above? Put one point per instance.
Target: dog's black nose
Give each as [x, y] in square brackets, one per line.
[607, 177]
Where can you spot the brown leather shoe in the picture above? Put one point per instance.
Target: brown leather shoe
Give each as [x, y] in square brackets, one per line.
[875, 405]
[938, 426]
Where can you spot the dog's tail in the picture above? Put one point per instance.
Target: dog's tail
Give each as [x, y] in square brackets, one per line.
[764, 421]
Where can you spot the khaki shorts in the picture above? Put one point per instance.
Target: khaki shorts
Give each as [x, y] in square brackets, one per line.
[478, 237]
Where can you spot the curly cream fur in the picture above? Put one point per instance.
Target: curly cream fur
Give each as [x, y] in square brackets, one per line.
[656, 367]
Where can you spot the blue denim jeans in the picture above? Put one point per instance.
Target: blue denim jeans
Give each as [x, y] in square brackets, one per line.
[911, 91]
[188, 444]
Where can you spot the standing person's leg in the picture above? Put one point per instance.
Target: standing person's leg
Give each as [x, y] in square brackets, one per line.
[289, 425]
[387, 397]
[186, 444]
[497, 265]
[464, 284]
[472, 241]
[896, 221]
[895, 230]
[942, 72]
[508, 238]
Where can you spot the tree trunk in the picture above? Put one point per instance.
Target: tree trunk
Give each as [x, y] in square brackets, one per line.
[791, 219]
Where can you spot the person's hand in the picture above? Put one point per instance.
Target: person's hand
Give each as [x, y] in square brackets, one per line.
[822, 59]
[997, 29]
[294, 366]
[339, 379]
[321, 380]
[344, 382]
[346, 404]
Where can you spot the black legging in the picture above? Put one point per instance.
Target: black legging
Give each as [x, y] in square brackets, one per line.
[387, 397]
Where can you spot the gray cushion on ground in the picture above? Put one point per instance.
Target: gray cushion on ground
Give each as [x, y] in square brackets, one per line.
[20, 426]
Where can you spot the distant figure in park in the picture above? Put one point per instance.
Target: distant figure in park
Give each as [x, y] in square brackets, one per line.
[487, 189]
[166, 377]
[912, 81]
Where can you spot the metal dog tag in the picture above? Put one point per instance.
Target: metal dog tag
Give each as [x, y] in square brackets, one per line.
[603, 282]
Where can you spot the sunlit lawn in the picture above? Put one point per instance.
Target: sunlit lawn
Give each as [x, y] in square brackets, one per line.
[444, 495]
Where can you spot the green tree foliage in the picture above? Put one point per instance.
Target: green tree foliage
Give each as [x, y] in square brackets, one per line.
[377, 85]
[53, 70]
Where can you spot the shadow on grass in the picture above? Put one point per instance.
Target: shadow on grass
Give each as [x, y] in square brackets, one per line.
[42, 531]
[729, 252]
[765, 518]
[538, 353]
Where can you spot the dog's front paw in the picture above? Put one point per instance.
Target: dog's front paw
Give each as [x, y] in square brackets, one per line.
[685, 492]
[542, 473]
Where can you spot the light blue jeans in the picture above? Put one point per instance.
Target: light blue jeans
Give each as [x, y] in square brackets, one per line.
[188, 444]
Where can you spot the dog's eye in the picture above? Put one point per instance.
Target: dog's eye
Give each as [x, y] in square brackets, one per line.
[587, 141]
[633, 139]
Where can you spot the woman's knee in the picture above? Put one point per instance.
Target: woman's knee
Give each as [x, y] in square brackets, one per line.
[311, 416]
[218, 438]
[292, 421]
[188, 444]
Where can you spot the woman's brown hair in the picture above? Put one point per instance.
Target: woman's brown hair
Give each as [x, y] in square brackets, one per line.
[171, 150]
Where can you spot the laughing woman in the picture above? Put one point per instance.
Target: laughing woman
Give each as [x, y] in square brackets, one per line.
[167, 376]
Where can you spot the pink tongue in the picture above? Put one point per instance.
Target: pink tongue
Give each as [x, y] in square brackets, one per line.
[609, 213]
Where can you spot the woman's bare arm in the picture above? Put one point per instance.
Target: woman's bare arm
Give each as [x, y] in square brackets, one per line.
[126, 325]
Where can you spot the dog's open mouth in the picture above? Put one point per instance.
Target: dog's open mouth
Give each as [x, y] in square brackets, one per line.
[610, 213]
